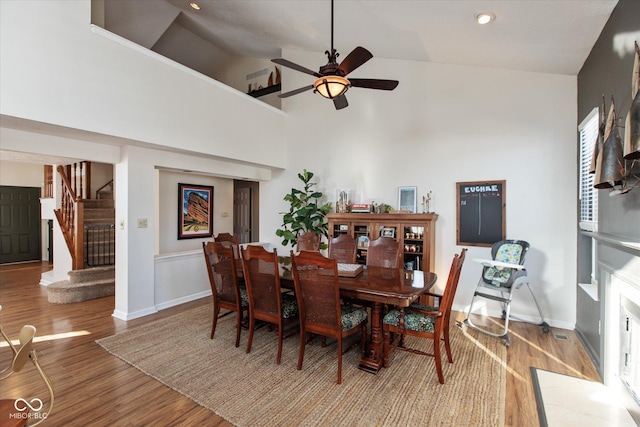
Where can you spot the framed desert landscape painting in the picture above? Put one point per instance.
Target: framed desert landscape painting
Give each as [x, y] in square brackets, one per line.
[195, 211]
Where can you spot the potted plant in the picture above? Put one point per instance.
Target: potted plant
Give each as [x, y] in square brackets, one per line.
[382, 207]
[306, 213]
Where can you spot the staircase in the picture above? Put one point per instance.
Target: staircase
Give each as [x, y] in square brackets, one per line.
[89, 229]
[99, 233]
[84, 285]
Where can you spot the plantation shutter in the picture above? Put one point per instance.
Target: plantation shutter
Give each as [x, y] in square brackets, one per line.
[588, 131]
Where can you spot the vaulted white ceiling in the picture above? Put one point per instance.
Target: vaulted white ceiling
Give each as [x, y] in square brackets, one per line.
[548, 36]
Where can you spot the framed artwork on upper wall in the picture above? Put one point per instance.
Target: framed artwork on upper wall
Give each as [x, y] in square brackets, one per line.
[407, 199]
[481, 209]
[195, 211]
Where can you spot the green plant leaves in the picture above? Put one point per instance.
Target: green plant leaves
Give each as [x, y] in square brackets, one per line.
[305, 212]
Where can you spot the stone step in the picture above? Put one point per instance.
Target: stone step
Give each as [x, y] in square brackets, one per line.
[98, 221]
[99, 203]
[65, 292]
[92, 274]
[105, 195]
[105, 230]
[93, 213]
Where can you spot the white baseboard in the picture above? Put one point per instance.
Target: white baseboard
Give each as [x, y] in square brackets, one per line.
[182, 300]
[136, 314]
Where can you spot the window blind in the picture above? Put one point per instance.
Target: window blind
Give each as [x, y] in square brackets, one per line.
[588, 131]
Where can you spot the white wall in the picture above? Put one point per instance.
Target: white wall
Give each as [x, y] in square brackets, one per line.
[101, 174]
[168, 209]
[443, 124]
[180, 277]
[20, 174]
[139, 195]
[235, 70]
[55, 145]
[73, 90]
[57, 68]
[446, 124]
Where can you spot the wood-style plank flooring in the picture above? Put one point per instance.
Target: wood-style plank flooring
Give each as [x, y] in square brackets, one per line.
[94, 388]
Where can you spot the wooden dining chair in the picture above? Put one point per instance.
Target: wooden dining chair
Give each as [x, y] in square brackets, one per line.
[266, 300]
[317, 290]
[424, 321]
[308, 241]
[225, 286]
[230, 240]
[384, 252]
[343, 249]
[226, 237]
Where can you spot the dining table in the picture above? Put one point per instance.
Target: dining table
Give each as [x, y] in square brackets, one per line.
[380, 286]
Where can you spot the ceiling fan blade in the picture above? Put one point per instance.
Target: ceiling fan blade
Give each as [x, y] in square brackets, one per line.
[295, 92]
[340, 102]
[356, 58]
[293, 66]
[374, 84]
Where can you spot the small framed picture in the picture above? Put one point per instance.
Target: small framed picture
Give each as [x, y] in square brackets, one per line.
[388, 232]
[195, 211]
[407, 199]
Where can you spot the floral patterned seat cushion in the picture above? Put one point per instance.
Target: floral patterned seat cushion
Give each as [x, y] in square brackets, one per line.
[244, 297]
[289, 306]
[509, 253]
[352, 316]
[424, 307]
[413, 320]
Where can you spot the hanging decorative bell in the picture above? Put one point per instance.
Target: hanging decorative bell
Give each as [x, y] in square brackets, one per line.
[610, 164]
[632, 131]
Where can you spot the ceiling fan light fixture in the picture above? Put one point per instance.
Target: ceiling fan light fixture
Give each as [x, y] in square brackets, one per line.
[331, 86]
[485, 17]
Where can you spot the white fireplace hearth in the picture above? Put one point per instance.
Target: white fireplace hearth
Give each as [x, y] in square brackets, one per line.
[619, 275]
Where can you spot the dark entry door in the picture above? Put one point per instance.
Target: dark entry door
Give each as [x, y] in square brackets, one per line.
[19, 224]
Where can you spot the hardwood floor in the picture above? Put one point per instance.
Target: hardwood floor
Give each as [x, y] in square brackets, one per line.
[93, 388]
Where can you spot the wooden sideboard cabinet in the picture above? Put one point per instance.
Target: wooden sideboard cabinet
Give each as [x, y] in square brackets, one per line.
[416, 233]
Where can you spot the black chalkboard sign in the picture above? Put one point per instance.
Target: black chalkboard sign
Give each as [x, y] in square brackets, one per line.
[480, 212]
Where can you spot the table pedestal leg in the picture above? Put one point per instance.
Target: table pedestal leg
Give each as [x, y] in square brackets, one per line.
[372, 361]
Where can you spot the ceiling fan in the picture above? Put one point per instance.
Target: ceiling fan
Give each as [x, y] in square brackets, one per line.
[331, 79]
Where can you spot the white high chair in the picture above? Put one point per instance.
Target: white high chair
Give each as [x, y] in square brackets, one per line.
[501, 275]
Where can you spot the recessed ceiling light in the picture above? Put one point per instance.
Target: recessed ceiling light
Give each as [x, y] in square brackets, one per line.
[485, 17]
[194, 5]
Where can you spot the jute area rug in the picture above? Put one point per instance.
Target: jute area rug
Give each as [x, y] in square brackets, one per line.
[251, 390]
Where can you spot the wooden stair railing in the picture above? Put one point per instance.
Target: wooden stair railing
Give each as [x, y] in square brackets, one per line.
[48, 181]
[101, 189]
[71, 219]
